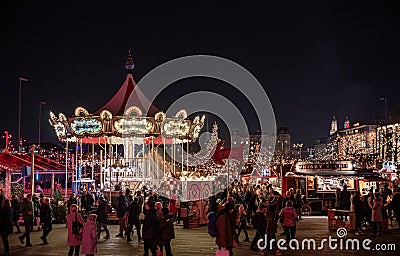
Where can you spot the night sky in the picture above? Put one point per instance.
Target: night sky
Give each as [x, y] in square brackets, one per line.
[315, 59]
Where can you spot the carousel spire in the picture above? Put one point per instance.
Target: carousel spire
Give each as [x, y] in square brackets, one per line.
[129, 63]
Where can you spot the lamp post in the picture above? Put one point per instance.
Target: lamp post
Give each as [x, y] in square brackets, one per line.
[21, 79]
[40, 119]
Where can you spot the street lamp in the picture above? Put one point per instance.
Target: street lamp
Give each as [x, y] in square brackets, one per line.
[299, 146]
[21, 79]
[40, 119]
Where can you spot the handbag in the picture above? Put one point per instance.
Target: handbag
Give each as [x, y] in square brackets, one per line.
[76, 226]
[222, 252]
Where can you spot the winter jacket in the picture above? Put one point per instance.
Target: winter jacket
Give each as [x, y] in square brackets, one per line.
[358, 208]
[101, 212]
[166, 228]
[395, 203]
[6, 226]
[226, 230]
[289, 216]
[73, 240]
[15, 205]
[89, 238]
[27, 209]
[272, 221]
[133, 213]
[376, 206]
[46, 214]
[259, 222]
[121, 207]
[150, 224]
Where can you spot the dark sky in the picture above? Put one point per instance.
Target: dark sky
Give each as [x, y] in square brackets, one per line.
[315, 59]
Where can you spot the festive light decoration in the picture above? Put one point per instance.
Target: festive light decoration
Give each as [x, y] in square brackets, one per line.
[133, 111]
[133, 126]
[81, 127]
[174, 128]
[182, 114]
[81, 112]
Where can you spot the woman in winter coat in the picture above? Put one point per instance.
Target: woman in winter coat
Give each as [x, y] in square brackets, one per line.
[89, 236]
[166, 231]
[376, 217]
[226, 228]
[6, 226]
[289, 221]
[73, 241]
[272, 226]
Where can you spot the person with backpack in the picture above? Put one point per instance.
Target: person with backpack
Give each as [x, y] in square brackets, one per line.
[259, 223]
[289, 221]
[102, 212]
[73, 239]
[121, 211]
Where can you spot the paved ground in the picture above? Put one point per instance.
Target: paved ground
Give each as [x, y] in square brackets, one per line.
[198, 242]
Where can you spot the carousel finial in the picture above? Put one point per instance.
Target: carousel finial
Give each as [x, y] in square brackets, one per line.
[129, 63]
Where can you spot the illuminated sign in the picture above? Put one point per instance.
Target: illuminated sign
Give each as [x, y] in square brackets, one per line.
[86, 126]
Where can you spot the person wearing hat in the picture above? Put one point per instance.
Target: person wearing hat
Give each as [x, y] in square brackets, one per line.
[226, 229]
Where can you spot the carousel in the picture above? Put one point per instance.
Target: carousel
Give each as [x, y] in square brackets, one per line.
[139, 146]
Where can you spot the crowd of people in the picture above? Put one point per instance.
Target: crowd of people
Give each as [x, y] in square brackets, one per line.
[265, 209]
[146, 218]
[152, 218]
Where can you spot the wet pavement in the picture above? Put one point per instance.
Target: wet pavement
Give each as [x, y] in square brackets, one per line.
[198, 242]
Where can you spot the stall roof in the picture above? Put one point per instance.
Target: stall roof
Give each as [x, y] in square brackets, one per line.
[15, 162]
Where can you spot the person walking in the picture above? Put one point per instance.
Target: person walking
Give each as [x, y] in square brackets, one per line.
[243, 223]
[133, 219]
[289, 221]
[358, 211]
[226, 228]
[377, 217]
[166, 231]
[73, 240]
[6, 226]
[149, 229]
[259, 223]
[102, 212]
[36, 211]
[394, 205]
[15, 205]
[89, 236]
[27, 209]
[121, 211]
[299, 203]
[272, 226]
[46, 215]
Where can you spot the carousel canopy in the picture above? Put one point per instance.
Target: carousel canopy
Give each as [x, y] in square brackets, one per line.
[128, 91]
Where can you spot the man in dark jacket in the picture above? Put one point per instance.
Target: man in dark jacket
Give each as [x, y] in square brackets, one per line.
[46, 214]
[395, 206]
[121, 210]
[6, 226]
[166, 231]
[86, 201]
[259, 222]
[15, 205]
[150, 229]
[102, 212]
[133, 219]
[27, 209]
